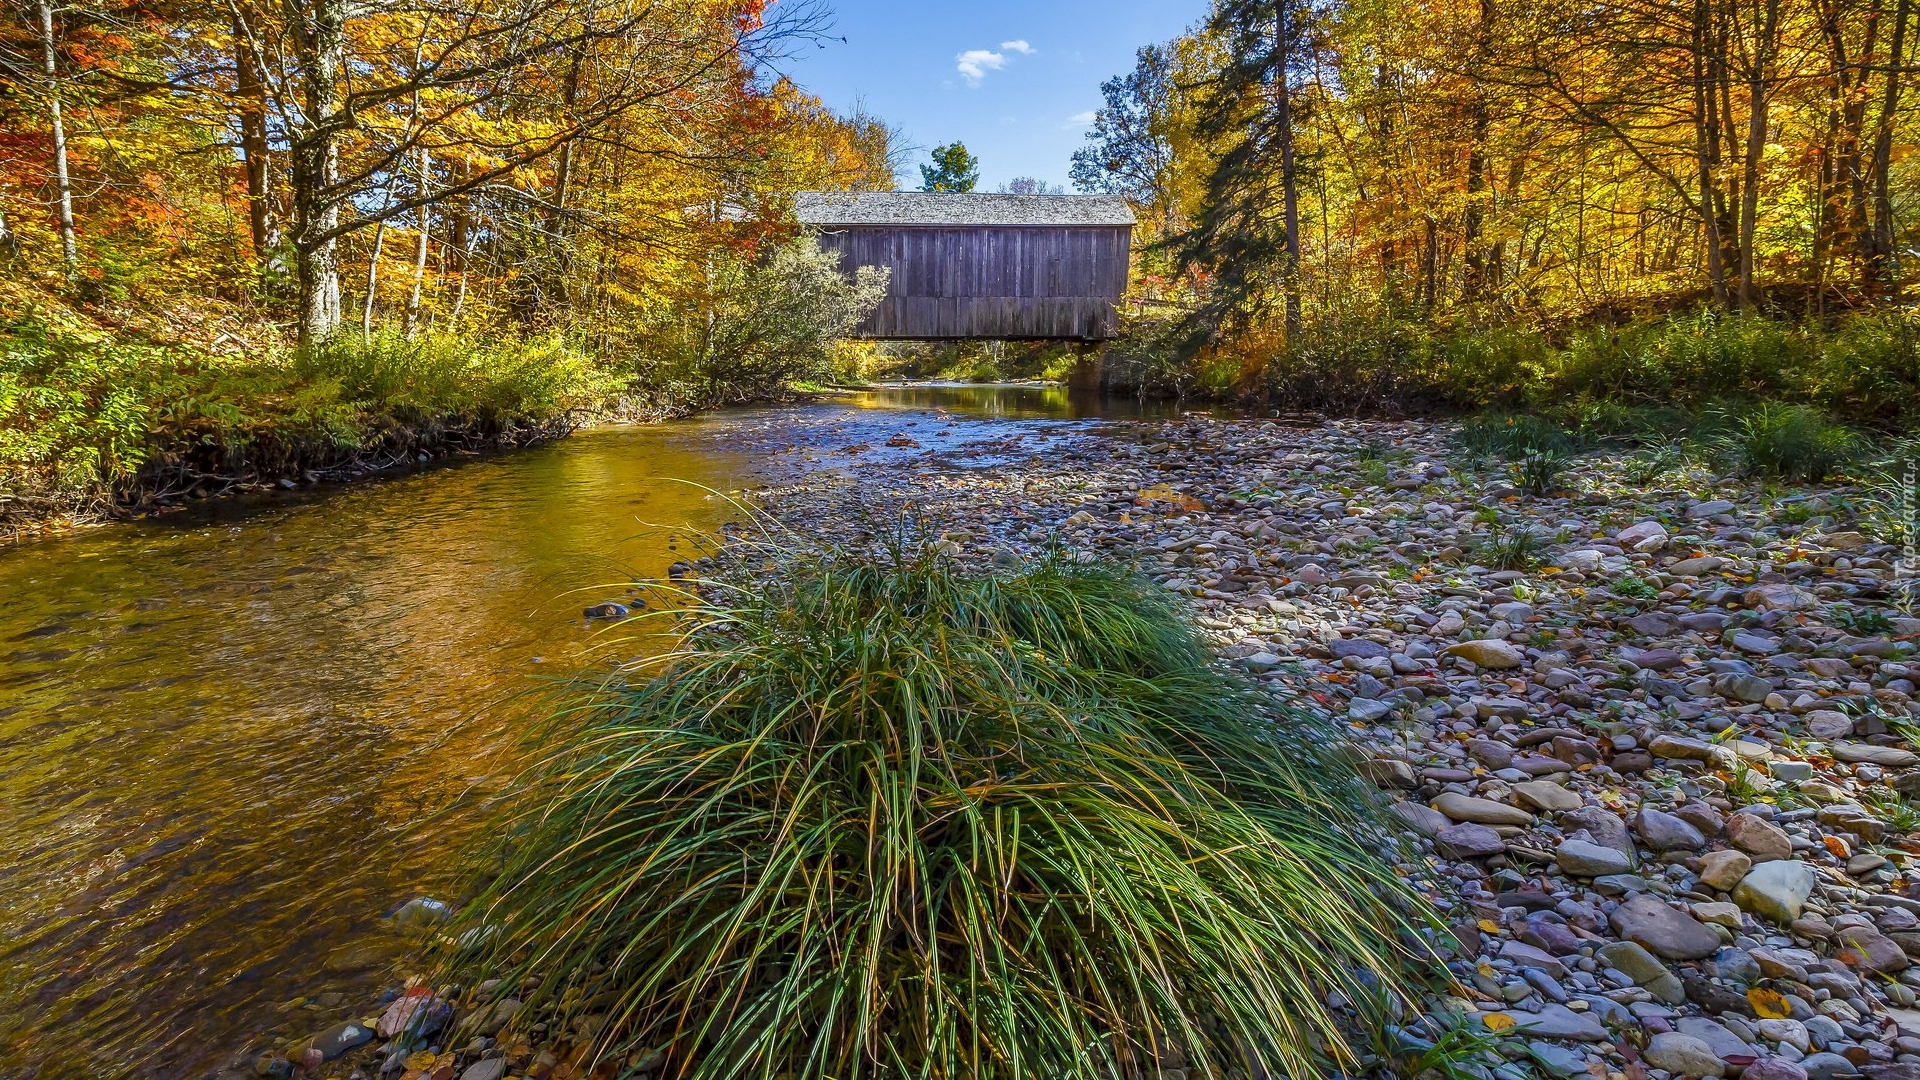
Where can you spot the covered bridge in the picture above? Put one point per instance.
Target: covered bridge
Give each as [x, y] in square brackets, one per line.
[984, 267]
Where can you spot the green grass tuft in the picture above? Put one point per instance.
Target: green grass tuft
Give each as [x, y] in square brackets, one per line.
[883, 819]
[1792, 442]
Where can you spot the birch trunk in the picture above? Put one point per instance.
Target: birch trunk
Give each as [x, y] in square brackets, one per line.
[49, 56]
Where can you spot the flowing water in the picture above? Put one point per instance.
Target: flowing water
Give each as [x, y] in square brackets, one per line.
[220, 730]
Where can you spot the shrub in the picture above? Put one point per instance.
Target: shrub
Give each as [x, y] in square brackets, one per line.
[881, 819]
[1791, 442]
[757, 327]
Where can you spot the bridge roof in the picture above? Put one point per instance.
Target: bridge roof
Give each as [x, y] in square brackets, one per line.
[938, 208]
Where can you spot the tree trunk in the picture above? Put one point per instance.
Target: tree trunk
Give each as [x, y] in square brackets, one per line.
[321, 39]
[1473, 217]
[1880, 263]
[250, 88]
[422, 220]
[49, 55]
[1289, 178]
[373, 280]
[1707, 147]
[9, 243]
[1757, 80]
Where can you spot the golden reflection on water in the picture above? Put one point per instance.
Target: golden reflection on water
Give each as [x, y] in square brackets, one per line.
[219, 733]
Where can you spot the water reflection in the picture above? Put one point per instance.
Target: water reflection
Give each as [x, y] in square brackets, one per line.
[216, 729]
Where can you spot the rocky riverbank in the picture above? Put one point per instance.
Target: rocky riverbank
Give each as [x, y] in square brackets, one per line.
[1653, 733]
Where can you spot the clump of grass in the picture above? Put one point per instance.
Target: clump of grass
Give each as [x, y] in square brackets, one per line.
[1541, 472]
[1892, 510]
[1510, 549]
[884, 819]
[1792, 442]
[1653, 462]
[1633, 588]
[1513, 436]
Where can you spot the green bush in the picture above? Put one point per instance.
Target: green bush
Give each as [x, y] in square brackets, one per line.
[757, 327]
[1869, 370]
[881, 819]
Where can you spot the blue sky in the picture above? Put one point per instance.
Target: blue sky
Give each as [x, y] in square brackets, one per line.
[1016, 81]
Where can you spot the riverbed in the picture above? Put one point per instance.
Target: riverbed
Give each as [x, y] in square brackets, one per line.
[235, 737]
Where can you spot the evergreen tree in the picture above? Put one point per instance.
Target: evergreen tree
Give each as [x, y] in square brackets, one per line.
[1246, 241]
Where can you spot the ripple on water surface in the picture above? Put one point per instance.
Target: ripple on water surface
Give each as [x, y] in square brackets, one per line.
[218, 733]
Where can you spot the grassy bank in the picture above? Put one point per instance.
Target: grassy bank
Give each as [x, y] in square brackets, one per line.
[882, 818]
[96, 422]
[1863, 369]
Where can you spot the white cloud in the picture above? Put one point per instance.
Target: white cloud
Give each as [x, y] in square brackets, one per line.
[975, 63]
[1080, 121]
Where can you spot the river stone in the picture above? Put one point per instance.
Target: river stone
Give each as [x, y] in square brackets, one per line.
[1360, 648]
[1556, 1022]
[1723, 870]
[341, 1038]
[1694, 567]
[1494, 755]
[1828, 667]
[1583, 859]
[1724, 1043]
[422, 911]
[1639, 535]
[1645, 969]
[1828, 723]
[1545, 795]
[1748, 688]
[1468, 840]
[1776, 890]
[1869, 950]
[1890, 757]
[1673, 746]
[1663, 931]
[1489, 653]
[490, 1020]
[1683, 1055]
[1763, 840]
[1780, 596]
[486, 1069]
[1828, 1066]
[416, 1014]
[1602, 824]
[1424, 820]
[1662, 831]
[1773, 1068]
[1791, 1032]
[1483, 811]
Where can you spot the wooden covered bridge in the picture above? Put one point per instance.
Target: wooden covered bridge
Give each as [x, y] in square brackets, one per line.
[982, 267]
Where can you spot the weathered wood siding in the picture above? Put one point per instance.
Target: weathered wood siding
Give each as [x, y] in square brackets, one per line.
[990, 282]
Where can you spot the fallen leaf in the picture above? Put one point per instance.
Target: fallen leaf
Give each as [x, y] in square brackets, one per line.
[1769, 1004]
[1497, 1021]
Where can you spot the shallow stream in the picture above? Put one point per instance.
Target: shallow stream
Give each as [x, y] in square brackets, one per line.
[220, 729]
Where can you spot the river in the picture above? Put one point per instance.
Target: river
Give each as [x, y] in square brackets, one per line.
[221, 729]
